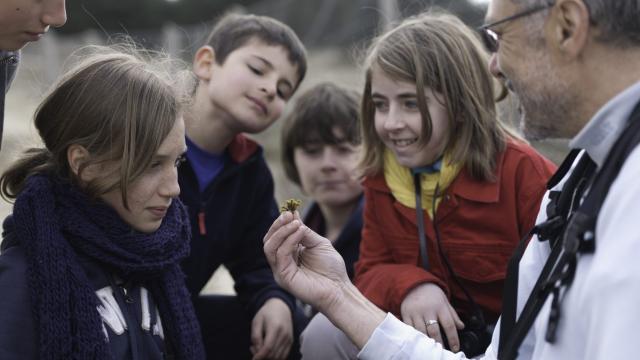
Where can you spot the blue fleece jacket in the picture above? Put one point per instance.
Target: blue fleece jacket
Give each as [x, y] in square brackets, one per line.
[229, 220]
[8, 65]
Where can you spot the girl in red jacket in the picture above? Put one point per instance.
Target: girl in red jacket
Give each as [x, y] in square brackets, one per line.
[449, 190]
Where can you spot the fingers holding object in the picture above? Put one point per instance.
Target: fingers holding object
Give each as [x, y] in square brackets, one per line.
[285, 246]
[284, 219]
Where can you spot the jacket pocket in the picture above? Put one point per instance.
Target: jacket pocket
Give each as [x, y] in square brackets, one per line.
[479, 263]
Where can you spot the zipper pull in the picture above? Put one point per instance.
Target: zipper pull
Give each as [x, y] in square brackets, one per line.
[128, 299]
[201, 224]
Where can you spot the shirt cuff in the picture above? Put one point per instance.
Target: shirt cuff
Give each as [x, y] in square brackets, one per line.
[387, 340]
[395, 340]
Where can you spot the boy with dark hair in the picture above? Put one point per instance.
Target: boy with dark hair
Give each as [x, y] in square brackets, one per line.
[246, 73]
[321, 148]
[320, 153]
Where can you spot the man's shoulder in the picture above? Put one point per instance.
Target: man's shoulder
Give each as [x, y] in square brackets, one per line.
[626, 183]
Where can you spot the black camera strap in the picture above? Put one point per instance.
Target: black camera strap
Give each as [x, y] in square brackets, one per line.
[477, 311]
[570, 229]
[420, 221]
[558, 210]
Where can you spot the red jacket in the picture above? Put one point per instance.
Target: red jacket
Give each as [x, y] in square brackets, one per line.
[480, 225]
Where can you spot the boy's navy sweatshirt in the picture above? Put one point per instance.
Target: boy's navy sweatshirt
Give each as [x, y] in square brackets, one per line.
[229, 221]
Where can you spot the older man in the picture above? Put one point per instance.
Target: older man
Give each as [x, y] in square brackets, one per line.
[576, 66]
[23, 21]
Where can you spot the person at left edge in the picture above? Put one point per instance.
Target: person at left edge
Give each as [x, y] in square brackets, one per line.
[21, 22]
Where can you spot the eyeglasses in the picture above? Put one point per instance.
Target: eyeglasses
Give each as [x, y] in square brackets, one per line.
[491, 39]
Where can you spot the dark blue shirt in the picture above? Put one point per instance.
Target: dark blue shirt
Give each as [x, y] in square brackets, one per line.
[206, 166]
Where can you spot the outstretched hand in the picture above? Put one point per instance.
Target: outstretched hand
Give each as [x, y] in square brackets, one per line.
[303, 262]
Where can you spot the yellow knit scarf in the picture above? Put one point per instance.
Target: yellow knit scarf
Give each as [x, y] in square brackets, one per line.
[400, 181]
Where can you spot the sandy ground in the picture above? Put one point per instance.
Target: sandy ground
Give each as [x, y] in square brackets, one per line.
[32, 82]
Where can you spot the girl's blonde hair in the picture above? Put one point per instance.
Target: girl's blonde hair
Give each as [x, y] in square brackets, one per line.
[119, 103]
[437, 50]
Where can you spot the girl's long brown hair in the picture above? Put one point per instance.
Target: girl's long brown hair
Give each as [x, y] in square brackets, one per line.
[117, 102]
[437, 50]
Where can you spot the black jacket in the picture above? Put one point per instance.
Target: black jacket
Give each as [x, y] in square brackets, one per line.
[229, 221]
[129, 316]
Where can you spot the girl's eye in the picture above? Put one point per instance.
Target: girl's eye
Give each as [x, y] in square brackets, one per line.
[380, 105]
[155, 164]
[181, 159]
[411, 104]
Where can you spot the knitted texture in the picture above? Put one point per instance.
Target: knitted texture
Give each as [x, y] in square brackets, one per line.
[55, 222]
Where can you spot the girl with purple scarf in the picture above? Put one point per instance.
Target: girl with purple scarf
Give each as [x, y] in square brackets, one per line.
[90, 263]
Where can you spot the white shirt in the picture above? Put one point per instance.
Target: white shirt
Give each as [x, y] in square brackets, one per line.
[601, 310]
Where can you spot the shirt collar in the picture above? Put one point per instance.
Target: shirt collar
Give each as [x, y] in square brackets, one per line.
[604, 128]
[464, 185]
[428, 169]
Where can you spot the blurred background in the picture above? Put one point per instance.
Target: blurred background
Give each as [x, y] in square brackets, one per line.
[334, 32]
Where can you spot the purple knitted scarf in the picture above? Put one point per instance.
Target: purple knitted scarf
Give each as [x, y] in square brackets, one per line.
[54, 222]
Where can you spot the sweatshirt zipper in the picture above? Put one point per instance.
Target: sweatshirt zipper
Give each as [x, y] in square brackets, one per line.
[124, 295]
[202, 226]
[202, 215]
[11, 60]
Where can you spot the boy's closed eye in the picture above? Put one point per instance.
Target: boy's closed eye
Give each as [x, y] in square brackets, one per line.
[255, 69]
[261, 67]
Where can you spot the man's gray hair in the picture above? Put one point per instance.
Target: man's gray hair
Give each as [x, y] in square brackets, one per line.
[618, 20]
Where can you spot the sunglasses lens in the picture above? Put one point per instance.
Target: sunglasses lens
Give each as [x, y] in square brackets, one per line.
[490, 40]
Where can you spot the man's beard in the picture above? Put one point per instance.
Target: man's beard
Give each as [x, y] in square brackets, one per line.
[545, 104]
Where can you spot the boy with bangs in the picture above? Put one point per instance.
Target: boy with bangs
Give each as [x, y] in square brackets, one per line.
[247, 71]
[321, 148]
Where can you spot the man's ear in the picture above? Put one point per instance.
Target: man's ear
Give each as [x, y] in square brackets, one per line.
[570, 26]
[203, 61]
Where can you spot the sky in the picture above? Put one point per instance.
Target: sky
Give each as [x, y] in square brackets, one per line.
[480, 1]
